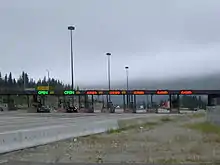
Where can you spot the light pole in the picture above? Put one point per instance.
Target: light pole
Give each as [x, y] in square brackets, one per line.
[71, 28]
[48, 78]
[126, 69]
[109, 76]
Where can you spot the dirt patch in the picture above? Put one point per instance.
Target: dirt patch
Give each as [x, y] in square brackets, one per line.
[211, 131]
[197, 115]
[167, 140]
[147, 125]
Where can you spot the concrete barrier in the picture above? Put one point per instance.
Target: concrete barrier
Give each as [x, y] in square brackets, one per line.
[20, 139]
[213, 114]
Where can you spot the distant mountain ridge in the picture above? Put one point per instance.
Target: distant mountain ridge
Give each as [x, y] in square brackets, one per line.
[209, 82]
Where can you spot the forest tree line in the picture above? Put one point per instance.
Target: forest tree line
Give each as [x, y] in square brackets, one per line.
[8, 82]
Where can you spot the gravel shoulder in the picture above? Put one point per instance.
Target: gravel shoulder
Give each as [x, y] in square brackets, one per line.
[164, 140]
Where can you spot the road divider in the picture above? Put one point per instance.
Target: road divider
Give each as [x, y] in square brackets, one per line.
[20, 139]
[26, 138]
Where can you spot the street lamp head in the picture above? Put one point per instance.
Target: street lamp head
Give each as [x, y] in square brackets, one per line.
[71, 28]
[108, 54]
[126, 67]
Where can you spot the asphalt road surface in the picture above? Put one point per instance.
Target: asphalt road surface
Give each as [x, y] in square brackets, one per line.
[10, 121]
[20, 121]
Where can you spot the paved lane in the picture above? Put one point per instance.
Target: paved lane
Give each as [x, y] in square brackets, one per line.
[19, 121]
[10, 121]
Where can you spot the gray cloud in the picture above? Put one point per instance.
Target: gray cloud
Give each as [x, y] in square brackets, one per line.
[156, 39]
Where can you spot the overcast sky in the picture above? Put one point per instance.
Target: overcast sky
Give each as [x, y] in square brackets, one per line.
[155, 38]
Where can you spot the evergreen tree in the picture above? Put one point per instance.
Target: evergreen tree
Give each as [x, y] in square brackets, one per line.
[26, 80]
[14, 83]
[44, 82]
[10, 81]
[20, 82]
[1, 81]
[6, 81]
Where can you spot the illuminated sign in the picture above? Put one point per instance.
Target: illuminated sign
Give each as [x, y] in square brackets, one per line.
[91, 92]
[69, 92]
[77, 92]
[162, 92]
[138, 92]
[123, 92]
[43, 88]
[51, 92]
[100, 92]
[186, 92]
[43, 92]
[114, 92]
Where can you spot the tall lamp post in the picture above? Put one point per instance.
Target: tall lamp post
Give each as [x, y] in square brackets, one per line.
[48, 78]
[109, 77]
[71, 28]
[126, 69]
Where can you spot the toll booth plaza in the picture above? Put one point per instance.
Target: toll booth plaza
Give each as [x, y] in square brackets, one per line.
[174, 97]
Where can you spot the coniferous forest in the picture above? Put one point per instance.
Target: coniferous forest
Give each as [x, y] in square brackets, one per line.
[7, 81]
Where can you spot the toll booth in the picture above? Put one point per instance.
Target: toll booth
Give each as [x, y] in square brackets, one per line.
[105, 108]
[64, 102]
[86, 106]
[174, 104]
[131, 106]
[35, 102]
[9, 104]
[213, 109]
[111, 107]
